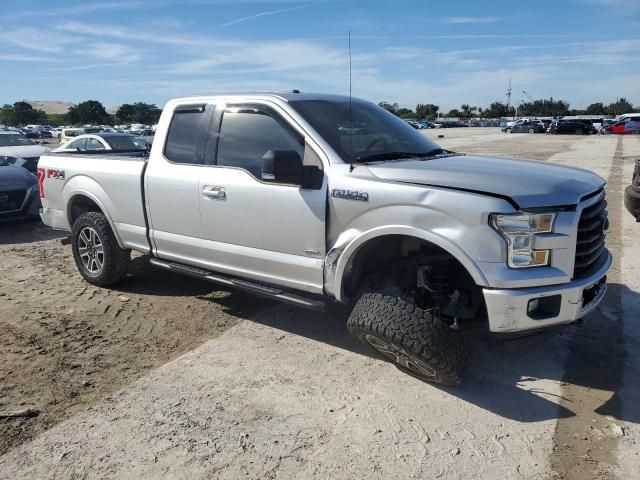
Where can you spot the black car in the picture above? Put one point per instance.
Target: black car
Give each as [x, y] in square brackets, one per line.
[29, 133]
[526, 126]
[18, 190]
[571, 126]
[632, 193]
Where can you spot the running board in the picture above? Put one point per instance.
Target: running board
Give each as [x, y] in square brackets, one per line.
[240, 284]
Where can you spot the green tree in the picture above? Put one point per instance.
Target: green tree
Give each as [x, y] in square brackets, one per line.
[21, 113]
[496, 110]
[139, 112]
[544, 108]
[467, 110]
[622, 105]
[427, 111]
[406, 113]
[89, 112]
[56, 119]
[390, 107]
[595, 109]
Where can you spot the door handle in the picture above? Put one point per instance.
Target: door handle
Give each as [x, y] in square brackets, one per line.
[216, 193]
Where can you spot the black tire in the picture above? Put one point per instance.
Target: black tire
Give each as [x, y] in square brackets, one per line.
[532, 130]
[508, 130]
[416, 340]
[114, 260]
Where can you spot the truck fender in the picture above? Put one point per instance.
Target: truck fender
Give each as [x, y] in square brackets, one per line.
[79, 186]
[351, 240]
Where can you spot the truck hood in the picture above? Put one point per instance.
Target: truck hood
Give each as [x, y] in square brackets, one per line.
[527, 183]
[12, 177]
[24, 151]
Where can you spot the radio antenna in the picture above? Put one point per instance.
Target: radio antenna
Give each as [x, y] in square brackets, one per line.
[350, 124]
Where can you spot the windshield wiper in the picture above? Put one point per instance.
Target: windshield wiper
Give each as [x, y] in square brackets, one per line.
[399, 155]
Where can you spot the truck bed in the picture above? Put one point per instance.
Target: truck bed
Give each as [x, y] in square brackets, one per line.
[112, 181]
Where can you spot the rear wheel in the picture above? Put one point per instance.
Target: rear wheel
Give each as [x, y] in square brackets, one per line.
[532, 130]
[99, 258]
[416, 340]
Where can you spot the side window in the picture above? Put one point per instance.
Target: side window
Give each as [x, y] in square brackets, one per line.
[79, 144]
[93, 144]
[185, 134]
[245, 136]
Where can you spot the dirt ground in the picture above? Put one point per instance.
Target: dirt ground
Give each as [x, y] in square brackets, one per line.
[66, 344]
[166, 377]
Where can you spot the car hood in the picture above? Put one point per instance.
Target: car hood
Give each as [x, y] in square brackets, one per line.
[527, 183]
[26, 151]
[15, 177]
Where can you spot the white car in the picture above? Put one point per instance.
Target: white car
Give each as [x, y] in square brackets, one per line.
[14, 145]
[103, 141]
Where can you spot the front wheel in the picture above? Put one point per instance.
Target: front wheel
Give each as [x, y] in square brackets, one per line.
[508, 130]
[532, 130]
[99, 258]
[416, 340]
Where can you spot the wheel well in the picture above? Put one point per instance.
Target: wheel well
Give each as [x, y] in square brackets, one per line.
[79, 205]
[420, 269]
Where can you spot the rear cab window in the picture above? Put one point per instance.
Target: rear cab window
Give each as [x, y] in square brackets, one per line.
[187, 132]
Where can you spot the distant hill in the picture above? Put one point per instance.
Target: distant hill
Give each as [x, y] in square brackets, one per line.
[57, 106]
[54, 106]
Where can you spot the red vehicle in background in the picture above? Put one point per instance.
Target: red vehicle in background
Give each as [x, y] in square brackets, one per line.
[628, 125]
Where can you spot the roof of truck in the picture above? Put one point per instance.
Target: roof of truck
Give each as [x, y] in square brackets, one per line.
[287, 96]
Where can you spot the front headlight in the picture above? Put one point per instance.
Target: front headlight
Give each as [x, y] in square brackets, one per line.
[519, 230]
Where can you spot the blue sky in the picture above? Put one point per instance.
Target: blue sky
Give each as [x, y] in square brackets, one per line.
[404, 51]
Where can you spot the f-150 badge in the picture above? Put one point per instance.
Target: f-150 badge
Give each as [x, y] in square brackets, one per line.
[350, 195]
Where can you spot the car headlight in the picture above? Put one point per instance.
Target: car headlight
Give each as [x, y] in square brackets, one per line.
[519, 230]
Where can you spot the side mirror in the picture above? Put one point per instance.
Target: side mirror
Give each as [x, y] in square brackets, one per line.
[282, 166]
[286, 167]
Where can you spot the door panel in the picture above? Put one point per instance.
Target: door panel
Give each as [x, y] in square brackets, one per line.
[271, 233]
[173, 205]
[171, 185]
[265, 231]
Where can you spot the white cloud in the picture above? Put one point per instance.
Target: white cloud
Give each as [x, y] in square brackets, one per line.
[26, 58]
[462, 20]
[262, 14]
[110, 51]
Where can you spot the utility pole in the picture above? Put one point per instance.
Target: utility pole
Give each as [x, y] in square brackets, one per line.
[509, 97]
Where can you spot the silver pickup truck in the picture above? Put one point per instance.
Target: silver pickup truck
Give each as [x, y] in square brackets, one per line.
[312, 199]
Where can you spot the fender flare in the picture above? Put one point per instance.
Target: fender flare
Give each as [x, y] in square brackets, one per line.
[78, 191]
[360, 239]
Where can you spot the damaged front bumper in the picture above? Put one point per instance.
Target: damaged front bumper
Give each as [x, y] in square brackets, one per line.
[524, 309]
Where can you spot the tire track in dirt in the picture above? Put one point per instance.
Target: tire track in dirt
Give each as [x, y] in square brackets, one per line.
[585, 444]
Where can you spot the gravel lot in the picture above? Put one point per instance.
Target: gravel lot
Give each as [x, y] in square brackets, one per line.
[166, 377]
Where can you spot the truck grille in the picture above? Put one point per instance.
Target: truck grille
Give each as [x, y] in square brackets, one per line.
[591, 236]
[11, 200]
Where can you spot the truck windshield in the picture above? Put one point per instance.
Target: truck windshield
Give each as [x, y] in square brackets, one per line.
[364, 132]
[14, 140]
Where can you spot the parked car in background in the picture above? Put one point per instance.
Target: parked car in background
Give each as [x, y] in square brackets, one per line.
[18, 190]
[526, 126]
[14, 145]
[632, 193]
[628, 126]
[69, 133]
[29, 133]
[104, 141]
[572, 127]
